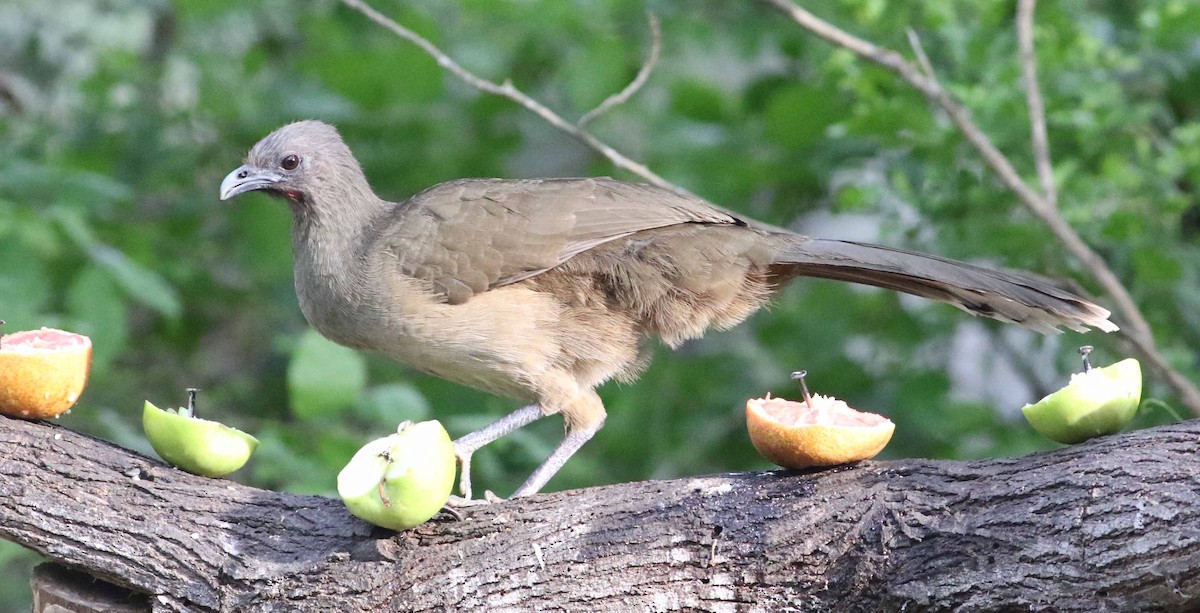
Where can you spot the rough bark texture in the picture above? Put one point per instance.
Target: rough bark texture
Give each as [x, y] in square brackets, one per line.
[1109, 525]
[57, 589]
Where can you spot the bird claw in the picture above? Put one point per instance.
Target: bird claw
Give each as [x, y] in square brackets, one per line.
[464, 473]
[464, 484]
[450, 509]
[459, 502]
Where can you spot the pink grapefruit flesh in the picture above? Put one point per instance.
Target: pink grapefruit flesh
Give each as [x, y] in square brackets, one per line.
[793, 434]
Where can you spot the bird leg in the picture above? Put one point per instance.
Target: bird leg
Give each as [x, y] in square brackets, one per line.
[567, 448]
[470, 443]
[583, 415]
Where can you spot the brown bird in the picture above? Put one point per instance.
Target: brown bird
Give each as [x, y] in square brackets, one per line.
[541, 290]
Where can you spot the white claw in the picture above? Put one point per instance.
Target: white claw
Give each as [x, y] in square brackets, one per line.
[464, 473]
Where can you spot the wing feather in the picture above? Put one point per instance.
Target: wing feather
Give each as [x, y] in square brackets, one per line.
[466, 237]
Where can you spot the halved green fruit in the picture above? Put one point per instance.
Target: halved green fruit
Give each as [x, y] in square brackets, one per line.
[1098, 402]
[196, 445]
[402, 480]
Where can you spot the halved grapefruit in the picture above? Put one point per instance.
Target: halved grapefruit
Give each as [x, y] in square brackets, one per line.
[42, 372]
[796, 435]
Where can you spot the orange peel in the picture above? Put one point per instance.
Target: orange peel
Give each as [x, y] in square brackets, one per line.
[826, 432]
[42, 372]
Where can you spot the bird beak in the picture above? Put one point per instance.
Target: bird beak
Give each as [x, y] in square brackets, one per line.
[247, 179]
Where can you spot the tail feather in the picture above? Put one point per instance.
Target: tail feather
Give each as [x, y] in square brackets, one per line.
[1012, 297]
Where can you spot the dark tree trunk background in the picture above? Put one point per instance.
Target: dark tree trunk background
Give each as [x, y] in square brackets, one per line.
[1107, 525]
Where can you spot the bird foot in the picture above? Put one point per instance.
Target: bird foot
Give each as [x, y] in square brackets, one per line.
[469, 444]
[464, 485]
[460, 502]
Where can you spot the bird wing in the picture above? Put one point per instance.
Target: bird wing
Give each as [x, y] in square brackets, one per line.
[466, 237]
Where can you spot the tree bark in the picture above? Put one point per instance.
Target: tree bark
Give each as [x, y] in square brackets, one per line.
[1113, 524]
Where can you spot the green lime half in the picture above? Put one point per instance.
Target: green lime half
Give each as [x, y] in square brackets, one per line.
[198, 446]
[1098, 402]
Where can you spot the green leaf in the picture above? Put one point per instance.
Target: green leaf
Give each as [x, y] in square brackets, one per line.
[142, 284]
[324, 378]
[1154, 266]
[854, 198]
[369, 66]
[698, 100]
[595, 72]
[797, 115]
[24, 288]
[95, 304]
[393, 403]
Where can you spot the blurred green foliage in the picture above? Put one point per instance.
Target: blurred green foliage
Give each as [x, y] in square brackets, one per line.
[118, 120]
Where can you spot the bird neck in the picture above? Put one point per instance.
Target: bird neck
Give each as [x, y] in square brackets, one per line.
[330, 239]
[331, 219]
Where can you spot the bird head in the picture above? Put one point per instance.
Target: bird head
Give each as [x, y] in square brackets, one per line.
[300, 162]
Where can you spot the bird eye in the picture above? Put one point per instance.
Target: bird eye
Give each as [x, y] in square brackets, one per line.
[289, 162]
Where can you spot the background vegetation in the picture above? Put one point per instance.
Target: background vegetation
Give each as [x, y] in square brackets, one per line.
[119, 118]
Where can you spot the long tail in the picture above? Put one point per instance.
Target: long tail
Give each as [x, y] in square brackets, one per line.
[1011, 297]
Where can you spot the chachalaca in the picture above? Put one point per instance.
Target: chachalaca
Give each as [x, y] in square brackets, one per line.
[541, 290]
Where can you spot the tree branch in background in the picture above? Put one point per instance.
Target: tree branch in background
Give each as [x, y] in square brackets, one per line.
[639, 80]
[508, 90]
[1037, 107]
[1135, 328]
[9, 97]
[914, 41]
[1134, 325]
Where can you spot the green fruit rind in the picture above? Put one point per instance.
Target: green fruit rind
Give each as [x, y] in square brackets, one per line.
[1098, 402]
[199, 446]
[416, 468]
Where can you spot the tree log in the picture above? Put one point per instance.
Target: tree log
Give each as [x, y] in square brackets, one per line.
[1107, 525]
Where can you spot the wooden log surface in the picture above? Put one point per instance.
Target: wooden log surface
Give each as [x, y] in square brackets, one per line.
[1112, 524]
